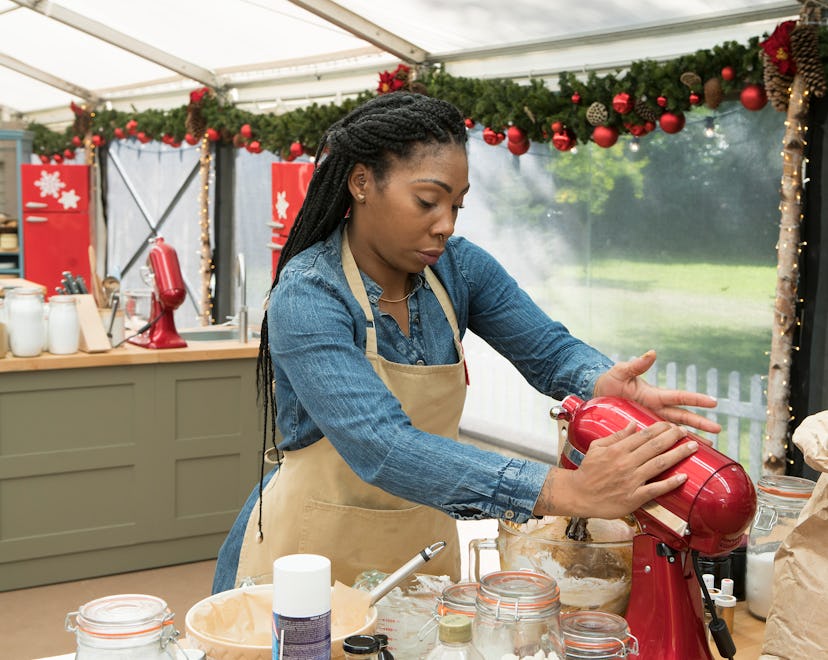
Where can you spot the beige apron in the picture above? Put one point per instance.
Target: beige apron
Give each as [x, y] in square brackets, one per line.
[317, 504]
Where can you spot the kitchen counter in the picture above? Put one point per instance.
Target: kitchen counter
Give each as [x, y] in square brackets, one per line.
[129, 354]
[123, 460]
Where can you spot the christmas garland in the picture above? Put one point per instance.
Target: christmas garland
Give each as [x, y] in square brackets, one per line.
[636, 101]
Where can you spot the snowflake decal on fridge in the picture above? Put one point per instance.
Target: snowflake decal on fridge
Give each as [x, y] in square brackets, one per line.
[282, 204]
[69, 199]
[50, 184]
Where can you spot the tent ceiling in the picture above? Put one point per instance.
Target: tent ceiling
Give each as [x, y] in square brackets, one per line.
[271, 55]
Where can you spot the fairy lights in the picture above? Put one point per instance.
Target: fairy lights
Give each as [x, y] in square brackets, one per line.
[789, 246]
[206, 308]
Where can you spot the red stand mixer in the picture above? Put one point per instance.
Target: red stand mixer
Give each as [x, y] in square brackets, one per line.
[168, 292]
[708, 514]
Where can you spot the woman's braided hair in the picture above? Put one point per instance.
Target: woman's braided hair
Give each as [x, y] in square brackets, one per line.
[386, 127]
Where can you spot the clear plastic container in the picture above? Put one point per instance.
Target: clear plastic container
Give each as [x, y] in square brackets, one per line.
[124, 627]
[596, 635]
[780, 500]
[518, 614]
[454, 640]
[406, 613]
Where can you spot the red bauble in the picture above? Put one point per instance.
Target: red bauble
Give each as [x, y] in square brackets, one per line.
[695, 99]
[728, 73]
[132, 126]
[143, 138]
[189, 138]
[212, 134]
[489, 136]
[76, 140]
[556, 126]
[97, 139]
[246, 131]
[175, 144]
[637, 130]
[68, 154]
[469, 122]
[623, 103]
[662, 101]
[514, 134]
[576, 98]
[605, 136]
[296, 149]
[120, 133]
[753, 97]
[57, 158]
[44, 159]
[518, 148]
[167, 138]
[650, 126]
[254, 147]
[672, 122]
[564, 139]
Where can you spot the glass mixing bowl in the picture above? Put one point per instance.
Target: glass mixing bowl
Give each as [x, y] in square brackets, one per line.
[593, 574]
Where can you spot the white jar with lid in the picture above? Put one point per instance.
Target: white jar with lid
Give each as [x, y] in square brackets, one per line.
[124, 627]
[64, 326]
[26, 327]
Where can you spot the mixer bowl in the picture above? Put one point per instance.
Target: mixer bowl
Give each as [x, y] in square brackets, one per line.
[594, 574]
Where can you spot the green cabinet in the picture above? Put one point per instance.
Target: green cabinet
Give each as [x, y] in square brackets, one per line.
[112, 469]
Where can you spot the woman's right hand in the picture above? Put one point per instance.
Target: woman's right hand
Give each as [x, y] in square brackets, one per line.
[612, 480]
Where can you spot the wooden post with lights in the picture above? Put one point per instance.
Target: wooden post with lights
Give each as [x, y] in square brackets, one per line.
[206, 269]
[788, 250]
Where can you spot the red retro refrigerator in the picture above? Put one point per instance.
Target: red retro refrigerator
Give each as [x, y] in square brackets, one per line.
[56, 224]
[289, 183]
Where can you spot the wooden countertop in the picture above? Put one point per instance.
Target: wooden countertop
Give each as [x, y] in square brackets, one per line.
[129, 354]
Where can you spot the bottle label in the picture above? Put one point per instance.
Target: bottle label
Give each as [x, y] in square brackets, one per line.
[302, 638]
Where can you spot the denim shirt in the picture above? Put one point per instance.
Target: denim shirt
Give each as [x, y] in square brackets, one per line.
[326, 386]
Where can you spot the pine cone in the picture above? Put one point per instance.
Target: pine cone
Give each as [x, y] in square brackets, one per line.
[691, 79]
[645, 111]
[195, 123]
[597, 114]
[82, 123]
[777, 86]
[713, 93]
[805, 51]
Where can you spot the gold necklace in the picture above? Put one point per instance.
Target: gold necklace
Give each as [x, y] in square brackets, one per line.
[398, 300]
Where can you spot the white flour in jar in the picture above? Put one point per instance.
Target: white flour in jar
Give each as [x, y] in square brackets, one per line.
[759, 582]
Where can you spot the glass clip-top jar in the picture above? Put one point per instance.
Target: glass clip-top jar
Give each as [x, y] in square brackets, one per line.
[780, 499]
[518, 614]
[597, 636]
[124, 627]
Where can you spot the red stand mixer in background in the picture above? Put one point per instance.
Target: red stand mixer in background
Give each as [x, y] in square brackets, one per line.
[708, 514]
[168, 292]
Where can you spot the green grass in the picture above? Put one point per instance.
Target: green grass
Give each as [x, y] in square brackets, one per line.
[710, 315]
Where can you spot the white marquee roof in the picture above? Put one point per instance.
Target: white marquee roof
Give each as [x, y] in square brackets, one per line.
[272, 55]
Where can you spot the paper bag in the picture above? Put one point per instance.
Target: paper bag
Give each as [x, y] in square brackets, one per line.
[795, 627]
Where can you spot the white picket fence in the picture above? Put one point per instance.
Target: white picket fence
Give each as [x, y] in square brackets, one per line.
[504, 410]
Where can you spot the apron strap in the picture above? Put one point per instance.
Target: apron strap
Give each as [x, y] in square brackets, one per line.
[358, 289]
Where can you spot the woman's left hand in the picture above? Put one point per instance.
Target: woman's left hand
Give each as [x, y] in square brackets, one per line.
[624, 380]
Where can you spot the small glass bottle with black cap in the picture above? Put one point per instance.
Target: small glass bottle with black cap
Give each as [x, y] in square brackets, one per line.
[361, 647]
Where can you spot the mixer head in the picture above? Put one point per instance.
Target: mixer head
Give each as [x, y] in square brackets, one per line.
[709, 512]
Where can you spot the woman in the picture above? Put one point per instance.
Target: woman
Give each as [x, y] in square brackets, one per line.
[371, 298]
